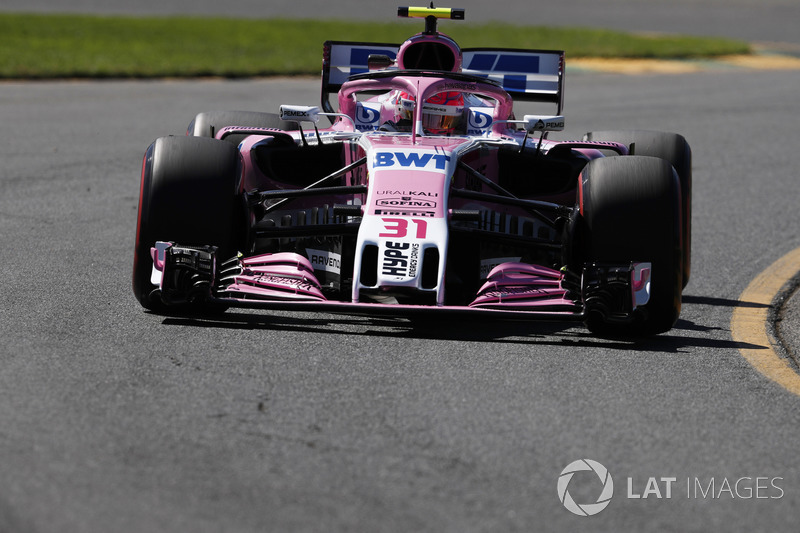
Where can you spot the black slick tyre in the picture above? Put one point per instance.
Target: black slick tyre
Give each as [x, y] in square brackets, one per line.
[676, 150]
[188, 195]
[630, 211]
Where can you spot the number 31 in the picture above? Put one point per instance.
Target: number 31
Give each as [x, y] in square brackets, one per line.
[398, 227]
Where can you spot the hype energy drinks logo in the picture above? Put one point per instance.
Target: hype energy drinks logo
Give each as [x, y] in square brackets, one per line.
[573, 479]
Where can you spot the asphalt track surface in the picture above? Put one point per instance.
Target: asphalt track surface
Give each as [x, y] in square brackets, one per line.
[114, 419]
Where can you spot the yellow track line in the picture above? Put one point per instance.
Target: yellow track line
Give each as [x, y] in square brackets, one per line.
[749, 322]
[757, 61]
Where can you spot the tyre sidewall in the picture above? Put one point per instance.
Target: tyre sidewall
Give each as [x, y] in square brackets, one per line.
[674, 148]
[630, 212]
[189, 195]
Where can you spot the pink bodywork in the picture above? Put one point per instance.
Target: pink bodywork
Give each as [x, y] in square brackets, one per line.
[418, 176]
[414, 171]
[423, 88]
[282, 276]
[521, 285]
[289, 277]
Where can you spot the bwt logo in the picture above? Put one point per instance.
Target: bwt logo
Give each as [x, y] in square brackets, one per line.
[425, 161]
[585, 509]
[479, 120]
[367, 118]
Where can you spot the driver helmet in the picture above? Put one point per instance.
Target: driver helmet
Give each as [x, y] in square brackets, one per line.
[443, 113]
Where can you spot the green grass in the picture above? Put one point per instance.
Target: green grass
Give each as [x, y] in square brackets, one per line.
[68, 46]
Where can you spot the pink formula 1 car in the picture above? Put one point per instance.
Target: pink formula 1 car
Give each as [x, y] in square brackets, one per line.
[423, 193]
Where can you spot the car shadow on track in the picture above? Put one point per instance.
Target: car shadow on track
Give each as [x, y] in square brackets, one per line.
[720, 302]
[682, 338]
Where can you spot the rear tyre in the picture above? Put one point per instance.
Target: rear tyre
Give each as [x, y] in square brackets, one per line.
[676, 150]
[188, 195]
[630, 211]
[209, 123]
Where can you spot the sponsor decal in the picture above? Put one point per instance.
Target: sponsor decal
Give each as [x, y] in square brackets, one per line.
[414, 261]
[412, 160]
[400, 259]
[460, 86]
[488, 264]
[405, 213]
[294, 283]
[405, 201]
[359, 56]
[367, 118]
[549, 124]
[325, 260]
[478, 121]
[396, 259]
[499, 62]
[543, 123]
[313, 135]
[508, 291]
[295, 113]
[442, 109]
[408, 193]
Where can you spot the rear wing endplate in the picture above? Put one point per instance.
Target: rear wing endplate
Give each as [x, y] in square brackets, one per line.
[529, 75]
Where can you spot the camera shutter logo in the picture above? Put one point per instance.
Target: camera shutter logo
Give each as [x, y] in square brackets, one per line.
[586, 509]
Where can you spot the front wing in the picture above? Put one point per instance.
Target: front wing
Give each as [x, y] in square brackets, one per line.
[286, 282]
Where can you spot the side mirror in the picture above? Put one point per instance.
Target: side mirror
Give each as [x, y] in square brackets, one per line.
[379, 62]
[543, 123]
[300, 113]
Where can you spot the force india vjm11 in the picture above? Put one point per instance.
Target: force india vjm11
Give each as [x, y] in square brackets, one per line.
[425, 194]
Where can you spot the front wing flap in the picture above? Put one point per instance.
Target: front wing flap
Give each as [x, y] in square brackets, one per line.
[286, 281]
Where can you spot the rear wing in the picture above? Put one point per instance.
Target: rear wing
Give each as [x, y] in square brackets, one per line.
[342, 59]
[529, 75]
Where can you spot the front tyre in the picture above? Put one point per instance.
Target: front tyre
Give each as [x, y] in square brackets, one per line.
[676, 150]
[630, 211]
[209, 123]
[189, 195]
